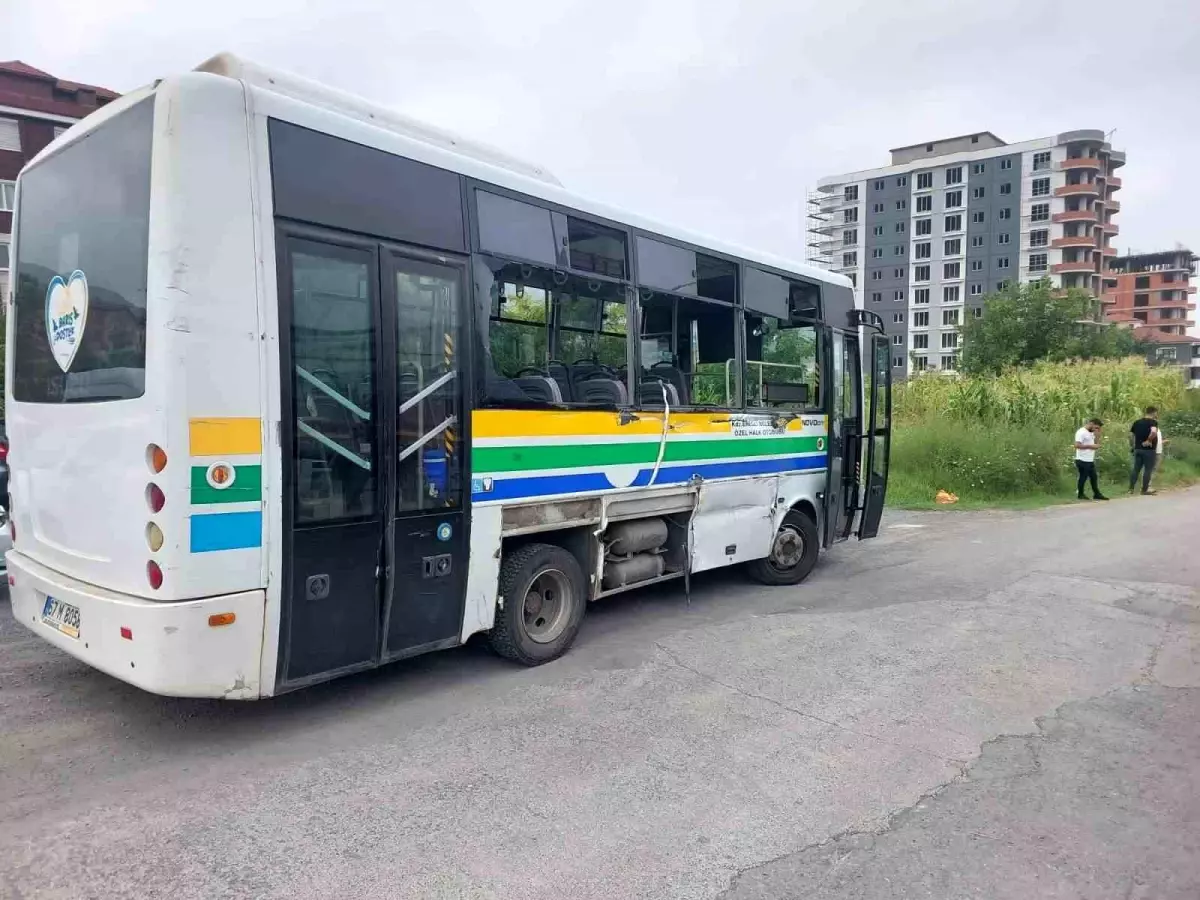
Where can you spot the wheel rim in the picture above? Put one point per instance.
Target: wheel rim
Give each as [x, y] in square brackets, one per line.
[787, 550]
[547, 607]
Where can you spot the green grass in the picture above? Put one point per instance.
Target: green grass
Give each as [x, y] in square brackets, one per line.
[1007, 442]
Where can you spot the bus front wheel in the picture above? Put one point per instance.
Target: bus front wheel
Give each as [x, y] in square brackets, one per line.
[544, 597]
[793, 552]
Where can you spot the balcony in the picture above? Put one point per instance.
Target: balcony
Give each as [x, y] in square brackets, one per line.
[1108, 251]
[1079, 265]
[1075, 215]
[1114, 182]
[1085, 188]
[1079, 240]
[1082, 162]
[1111, 228]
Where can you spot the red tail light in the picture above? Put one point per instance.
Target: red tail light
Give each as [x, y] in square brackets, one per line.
[3, 451]
[154, 575]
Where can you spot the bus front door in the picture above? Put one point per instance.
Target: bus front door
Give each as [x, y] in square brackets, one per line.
[879, 437]
[375, 536]
[845, 428]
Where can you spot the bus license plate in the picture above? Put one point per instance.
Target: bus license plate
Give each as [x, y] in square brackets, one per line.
[61, 616]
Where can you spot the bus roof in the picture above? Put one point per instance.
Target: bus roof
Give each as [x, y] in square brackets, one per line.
[537, 180]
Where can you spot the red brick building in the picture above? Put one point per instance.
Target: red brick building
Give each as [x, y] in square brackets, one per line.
[35, 107]
[1154, 293]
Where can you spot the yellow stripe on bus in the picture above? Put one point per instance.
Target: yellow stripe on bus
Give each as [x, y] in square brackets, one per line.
[225, 436]
[507, 423]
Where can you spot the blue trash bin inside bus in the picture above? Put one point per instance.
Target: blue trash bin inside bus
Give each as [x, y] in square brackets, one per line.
[435, 473]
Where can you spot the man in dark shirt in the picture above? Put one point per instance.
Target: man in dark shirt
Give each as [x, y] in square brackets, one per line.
[1143, 440]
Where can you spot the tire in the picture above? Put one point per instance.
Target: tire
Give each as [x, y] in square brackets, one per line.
[796, 526]
[543, 598]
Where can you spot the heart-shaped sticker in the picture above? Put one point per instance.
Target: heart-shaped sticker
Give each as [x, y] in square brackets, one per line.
[66, 316]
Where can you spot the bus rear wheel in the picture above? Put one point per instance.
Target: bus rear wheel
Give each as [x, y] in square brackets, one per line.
[544, 597]
[793, 552]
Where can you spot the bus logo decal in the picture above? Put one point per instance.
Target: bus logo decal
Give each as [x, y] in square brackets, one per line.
[444, 531]
[66, 316]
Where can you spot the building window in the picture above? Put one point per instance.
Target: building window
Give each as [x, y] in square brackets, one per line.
[977, 265]
[978, 217]
[8, 195]
[902, 181]
[924, 181]
[1039, 238]
[953, 223]
[952, 270]
[1006, 188]
[1002, 262]
[898, 362]
[920, 363]
[900, 273]
[1003, 238]
[1002, 285]
[1037, 262]
[1006, 164]
[921, 295]
[925, 203]
[897, 318]
[878, 185]
[850, 192]
[876, 296]
[901, 204]
[977, 312]
[849, 259]
[923, 250]
[1141, 299]
[949, 316]
[953, 199]
[977, 168]
[950, 363]
[952, 247]
[977, 193]
[1039, 212]
[950, 338]
[849, 216]
[1041, 187]
[898, 296]
[877, 275]
[1005, 214]
[976, 290]
[1166, 353]
[921, 341]
[977, 240]
[899, 250]
[878, 231]
[10, 135]
[924, 226]
[921, 273]
[950, 295]
[1142, 283]
[954, 176]
[1041, 161]
[850, 236]
[877, 253]
[921, 319]
[901, 227]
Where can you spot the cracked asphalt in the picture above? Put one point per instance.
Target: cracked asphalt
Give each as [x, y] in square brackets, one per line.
[999, 705]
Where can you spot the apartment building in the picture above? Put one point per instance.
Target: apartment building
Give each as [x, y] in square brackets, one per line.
[35, 107]
[949, 221]
[1154, 294]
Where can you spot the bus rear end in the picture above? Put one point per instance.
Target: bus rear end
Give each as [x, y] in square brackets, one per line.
[134, 263]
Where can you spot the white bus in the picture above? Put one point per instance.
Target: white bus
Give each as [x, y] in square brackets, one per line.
[297, 387]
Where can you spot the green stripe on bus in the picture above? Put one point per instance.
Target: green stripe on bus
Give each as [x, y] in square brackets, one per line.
[246, 487]
[564, 456]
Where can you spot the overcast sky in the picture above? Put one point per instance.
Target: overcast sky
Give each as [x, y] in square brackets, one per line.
[719, 116]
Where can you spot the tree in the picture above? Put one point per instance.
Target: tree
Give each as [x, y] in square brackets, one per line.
[1025, 323]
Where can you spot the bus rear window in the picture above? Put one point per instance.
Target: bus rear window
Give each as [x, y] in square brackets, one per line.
[80, 287]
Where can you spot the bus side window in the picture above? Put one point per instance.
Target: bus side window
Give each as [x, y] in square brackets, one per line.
[782, 360]
[688, 345]
[553, 338]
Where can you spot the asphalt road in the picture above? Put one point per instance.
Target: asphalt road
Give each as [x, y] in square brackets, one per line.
[1000, 705]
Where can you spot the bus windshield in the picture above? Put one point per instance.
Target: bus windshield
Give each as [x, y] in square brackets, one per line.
[80, 287]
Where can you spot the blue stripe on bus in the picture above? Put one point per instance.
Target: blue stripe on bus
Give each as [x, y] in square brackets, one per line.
[594, 482]
[226, 531]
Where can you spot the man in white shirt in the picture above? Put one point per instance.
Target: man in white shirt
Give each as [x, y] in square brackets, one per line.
[1087, 439]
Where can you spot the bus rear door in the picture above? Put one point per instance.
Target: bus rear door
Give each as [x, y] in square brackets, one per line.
[878, 437]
